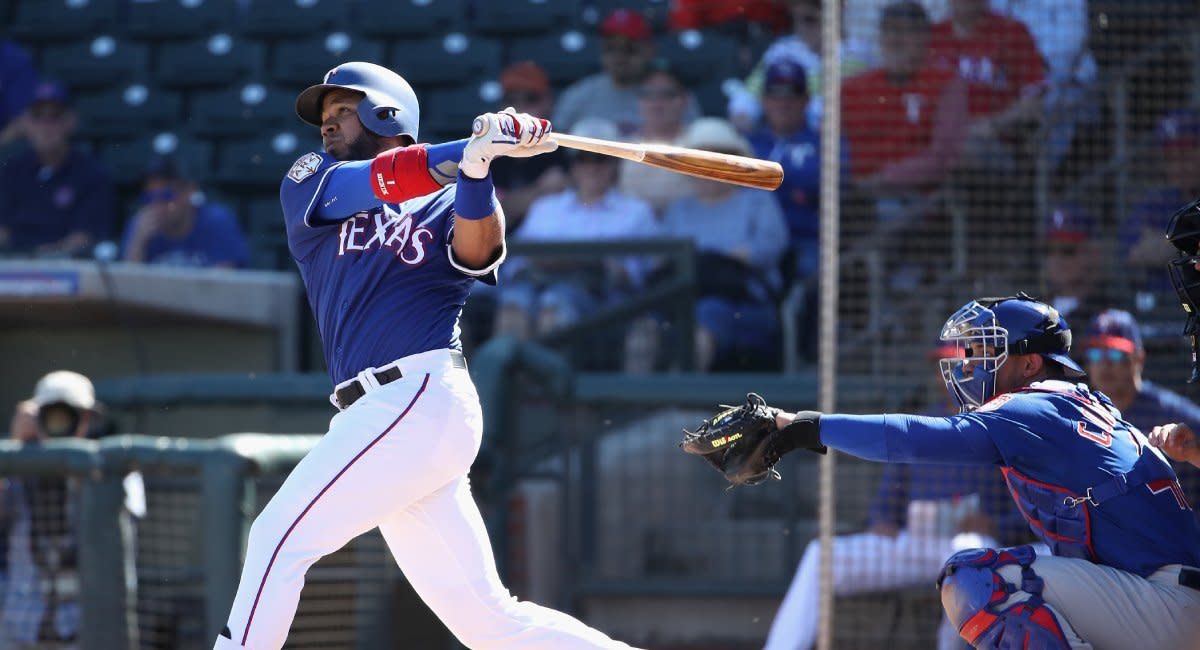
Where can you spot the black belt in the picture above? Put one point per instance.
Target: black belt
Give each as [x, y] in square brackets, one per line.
[1190, 577]
[353, 391]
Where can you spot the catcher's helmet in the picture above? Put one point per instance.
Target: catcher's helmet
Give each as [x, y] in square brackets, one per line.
[987, 330]
[389, 109]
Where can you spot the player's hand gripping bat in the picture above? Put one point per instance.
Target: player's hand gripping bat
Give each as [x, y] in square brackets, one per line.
[727, 168]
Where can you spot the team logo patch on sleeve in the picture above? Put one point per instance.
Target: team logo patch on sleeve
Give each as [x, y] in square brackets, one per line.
[306, 166]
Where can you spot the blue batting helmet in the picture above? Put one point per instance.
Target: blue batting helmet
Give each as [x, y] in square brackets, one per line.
[389, 107]
[987, 330]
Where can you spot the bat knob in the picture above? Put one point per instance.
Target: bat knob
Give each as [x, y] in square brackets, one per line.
[479, 126]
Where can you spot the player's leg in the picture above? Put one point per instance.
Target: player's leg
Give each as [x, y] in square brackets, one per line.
[442, 546]
[1110, 608]
[387, 450]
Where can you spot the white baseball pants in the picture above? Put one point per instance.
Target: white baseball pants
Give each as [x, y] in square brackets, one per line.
[396, 459]
[861, 563]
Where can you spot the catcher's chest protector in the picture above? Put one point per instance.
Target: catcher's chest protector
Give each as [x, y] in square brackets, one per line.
[1065, 528]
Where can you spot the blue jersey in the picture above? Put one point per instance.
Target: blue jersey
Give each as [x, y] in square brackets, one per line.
[1057, 436]
[214, 240]
[380, 278]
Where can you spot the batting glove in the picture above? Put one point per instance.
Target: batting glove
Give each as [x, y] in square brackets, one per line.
[507, 133]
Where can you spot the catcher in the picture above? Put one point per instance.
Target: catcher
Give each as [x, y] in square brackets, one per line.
[1125, 544]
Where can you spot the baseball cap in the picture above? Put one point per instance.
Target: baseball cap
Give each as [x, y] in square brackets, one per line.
[627, 23]
[1070, 224]
[1180, 128]
[65, 386]
[1116, 329]
[785, 77]
[714, 134]
[51, 91]
[525, 76]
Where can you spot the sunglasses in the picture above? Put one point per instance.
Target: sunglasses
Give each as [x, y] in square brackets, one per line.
[1111, 355]
[157, 196]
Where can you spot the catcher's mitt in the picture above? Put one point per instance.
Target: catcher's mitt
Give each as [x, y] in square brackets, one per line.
[738, 441]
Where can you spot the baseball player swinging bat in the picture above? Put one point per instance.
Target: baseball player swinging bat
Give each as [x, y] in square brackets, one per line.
[727, 168]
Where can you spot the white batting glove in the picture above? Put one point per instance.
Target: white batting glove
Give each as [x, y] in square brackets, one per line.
[506, 133]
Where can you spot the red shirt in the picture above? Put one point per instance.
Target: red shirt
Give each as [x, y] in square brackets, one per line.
[886, 123]
[997, 61]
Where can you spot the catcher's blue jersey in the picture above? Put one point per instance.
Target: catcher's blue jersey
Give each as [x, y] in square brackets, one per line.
[1057, 438]
[380, 277]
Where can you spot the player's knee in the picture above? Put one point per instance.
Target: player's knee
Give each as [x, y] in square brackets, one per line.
[976, 598]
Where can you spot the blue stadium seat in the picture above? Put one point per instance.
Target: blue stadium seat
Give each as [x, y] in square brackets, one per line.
[305, 61]
[446, 113]
[263, 219]
[392, 18]
[521, 16]
[566, 57]
[219, 59]
[38, 21]
[100, 62]
[242, 110]
[445, 60]
[700, 56]
[129, 110]
[126, 159]
[158, 20]
[260, 163]
[276, 19]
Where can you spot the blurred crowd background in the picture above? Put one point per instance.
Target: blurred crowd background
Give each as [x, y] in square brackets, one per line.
[986, 147]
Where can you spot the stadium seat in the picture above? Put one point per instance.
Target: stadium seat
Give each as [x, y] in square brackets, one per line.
[566, 57]
[445, 60]
[158, 20]
[392, 18]
[517, 16]
[277, 19]
[128, 110]
[242, 110]
[447, 113]
[264, 228]
[261, 162]
[100, 62]
[37, 21]
[655, 11]
[219, 59]
[700, 56]
[305, 61]
[126, 159]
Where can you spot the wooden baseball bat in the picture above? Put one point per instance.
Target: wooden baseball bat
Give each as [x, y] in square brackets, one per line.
[739, 170]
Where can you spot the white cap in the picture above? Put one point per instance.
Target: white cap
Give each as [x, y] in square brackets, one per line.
[65, 386]
[715, 134]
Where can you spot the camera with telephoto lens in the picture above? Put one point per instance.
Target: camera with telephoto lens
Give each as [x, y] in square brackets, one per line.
[58, 420]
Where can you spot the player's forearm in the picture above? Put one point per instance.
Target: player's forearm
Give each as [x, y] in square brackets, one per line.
[908, 438]
[478, 223]
[393, 176]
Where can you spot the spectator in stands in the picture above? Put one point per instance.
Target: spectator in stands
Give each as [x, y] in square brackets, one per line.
[740, 237]
[1116, 357]
[663, 102]
[1142, 243]
[626, 51]
[802, 46]
[921, 515]
[539, 296]
[55, 200]
[18, 78]
[41, 603]
[906, 120]
[521, 181]
[1072, 276]
[787, 139]
[176, 226]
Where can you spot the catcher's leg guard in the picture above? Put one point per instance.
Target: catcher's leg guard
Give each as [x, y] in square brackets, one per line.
[974, 593]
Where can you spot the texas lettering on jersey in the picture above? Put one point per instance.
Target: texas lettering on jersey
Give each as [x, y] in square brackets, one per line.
[385, 229]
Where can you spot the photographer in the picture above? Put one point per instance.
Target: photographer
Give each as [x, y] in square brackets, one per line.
[41, 514]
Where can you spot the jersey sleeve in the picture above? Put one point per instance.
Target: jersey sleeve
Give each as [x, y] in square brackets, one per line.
[911, 438]
[300, 192]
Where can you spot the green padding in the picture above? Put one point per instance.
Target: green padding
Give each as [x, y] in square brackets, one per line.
[223, 388]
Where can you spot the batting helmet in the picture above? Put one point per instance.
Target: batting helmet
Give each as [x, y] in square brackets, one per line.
[987, 330]
[389, 107]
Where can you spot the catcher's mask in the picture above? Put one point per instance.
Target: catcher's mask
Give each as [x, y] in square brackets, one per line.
[985, 331]
[1183, 231]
